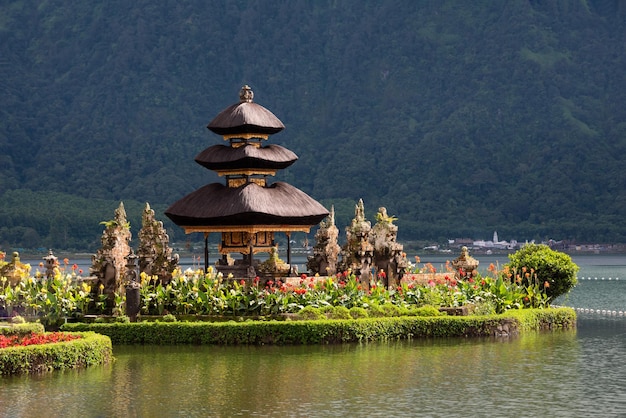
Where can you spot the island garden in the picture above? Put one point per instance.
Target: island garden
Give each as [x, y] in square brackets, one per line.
[365, 290]
[198, 307]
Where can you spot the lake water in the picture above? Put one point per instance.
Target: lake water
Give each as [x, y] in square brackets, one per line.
[555, 374]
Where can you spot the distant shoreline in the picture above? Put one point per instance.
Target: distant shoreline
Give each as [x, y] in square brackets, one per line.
[591, 249]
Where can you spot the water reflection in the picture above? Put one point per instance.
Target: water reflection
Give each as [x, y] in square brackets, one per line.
[571, 373]
[547, 374]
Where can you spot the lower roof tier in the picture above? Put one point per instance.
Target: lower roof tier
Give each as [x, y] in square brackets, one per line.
[216, 206]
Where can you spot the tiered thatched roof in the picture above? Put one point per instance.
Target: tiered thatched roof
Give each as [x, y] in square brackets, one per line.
[277, 207]
[245, 117]
[223, 157]
[246, 202]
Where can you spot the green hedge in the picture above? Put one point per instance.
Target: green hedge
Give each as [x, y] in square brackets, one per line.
[89, 350]
[327, 331]
[21, 329]
[541, 319]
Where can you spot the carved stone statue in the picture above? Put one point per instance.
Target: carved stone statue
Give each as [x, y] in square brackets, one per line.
[273, 265]
[326, 251]
[155, 255]
[13, 270]
[108, 264]
[357, 253]
[465, 265]
[388, 253]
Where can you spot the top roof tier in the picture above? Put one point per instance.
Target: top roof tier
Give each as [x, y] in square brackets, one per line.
[245, 117]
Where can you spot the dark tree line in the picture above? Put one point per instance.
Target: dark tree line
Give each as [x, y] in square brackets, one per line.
[459, 117]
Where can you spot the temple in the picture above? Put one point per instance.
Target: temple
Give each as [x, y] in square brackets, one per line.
[247, 210]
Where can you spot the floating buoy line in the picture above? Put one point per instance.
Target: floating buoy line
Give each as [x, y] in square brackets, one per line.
[607, 312]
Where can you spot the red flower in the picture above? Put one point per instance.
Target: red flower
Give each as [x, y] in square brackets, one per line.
[32, 339]
[242, 282]
[303, 276]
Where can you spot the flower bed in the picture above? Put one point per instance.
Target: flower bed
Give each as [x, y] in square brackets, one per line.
[32, 339]
[53, 300]
[36, 353]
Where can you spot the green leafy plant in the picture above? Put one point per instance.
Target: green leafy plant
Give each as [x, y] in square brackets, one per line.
[553, 270]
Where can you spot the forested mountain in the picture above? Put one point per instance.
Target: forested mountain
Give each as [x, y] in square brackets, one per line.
[461, 117]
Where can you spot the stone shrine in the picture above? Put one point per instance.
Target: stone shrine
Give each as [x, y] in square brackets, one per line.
[109, 263]
[465, 265]
[389, 256]
[154, 254]
[325, 258]
[357, 254]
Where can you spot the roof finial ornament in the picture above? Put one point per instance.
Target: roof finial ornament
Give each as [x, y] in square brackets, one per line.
[246, 94]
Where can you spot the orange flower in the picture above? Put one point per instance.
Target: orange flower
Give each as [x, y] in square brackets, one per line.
[546, 284]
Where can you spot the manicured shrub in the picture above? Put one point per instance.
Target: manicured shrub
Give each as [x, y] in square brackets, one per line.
[21, 329]
[169, 318]
[357, 312]
[375, 311]
[90, 349]
[425, 311]
[540, 319]
[390, 310]
[339, 312]
[551, 270]
[122, 318]
[310, 313]
[328, 330]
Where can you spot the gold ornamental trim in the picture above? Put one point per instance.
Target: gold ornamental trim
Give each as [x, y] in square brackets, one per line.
[246, 172]
[244, 250]
[252, 229]
[239, 181]
[228, 137]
